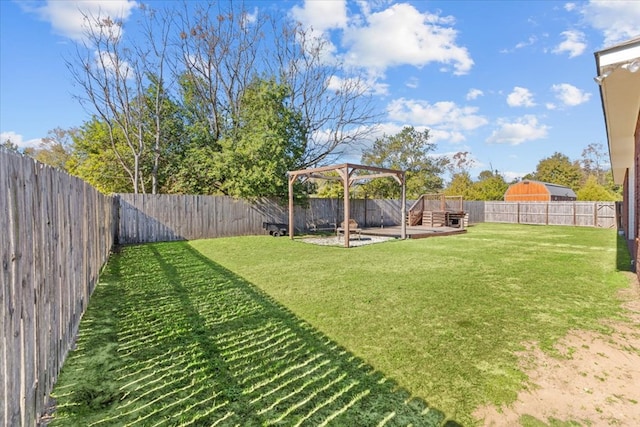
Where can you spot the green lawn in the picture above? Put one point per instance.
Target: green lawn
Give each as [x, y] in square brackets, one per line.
[253, 330]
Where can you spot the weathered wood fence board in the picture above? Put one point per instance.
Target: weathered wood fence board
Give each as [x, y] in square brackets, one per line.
[475, 210]
[154, 218]
[584, 214]
[56, 233]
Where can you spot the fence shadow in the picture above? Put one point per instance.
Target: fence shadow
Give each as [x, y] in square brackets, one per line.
[137, 226]
[173, 337]
[623, 254]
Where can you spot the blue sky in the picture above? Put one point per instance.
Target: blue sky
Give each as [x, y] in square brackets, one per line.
[510, 82]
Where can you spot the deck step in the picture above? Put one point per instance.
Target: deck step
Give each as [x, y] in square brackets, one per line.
[414, 218]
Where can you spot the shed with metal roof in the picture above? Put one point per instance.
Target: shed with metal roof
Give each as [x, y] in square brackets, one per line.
[537, 191]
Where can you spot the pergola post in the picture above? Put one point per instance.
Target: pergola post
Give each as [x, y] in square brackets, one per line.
[292, 177]
[403, 208]
[344, 173]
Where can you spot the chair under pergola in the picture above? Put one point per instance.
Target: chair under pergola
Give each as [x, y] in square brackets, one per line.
[347, 174]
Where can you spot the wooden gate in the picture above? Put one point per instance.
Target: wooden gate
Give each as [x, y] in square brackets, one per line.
[605, 215]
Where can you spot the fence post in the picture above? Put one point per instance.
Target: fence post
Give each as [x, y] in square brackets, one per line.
[116, 219]
[595, 214]
[546, 222]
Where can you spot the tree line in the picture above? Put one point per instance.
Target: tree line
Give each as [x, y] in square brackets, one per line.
[589, 177]
[217, 99]
[411, 151]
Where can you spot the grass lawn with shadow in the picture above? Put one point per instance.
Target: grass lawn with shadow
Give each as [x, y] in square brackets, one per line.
[445, 317]
[256, 330]
[173, 338]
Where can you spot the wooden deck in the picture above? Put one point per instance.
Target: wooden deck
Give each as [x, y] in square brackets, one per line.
[414, 232]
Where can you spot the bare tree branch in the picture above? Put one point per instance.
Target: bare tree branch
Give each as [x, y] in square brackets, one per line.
[104, 72]
[335, 102]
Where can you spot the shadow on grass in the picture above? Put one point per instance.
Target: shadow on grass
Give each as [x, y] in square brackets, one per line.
[623, 254]
[172, 338]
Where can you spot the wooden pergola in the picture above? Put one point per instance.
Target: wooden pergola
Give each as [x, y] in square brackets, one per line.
[346, 174]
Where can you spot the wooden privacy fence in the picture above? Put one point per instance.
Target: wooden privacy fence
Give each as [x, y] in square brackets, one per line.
[155, 218]
[56, 232]
[475, 210]
[586, 214]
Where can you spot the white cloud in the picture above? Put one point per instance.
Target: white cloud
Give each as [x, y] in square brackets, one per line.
[18, 140]
[68, 17]
[618, 20]
[111, 63]
[520, 97]
[251, 18]
[516, 132]
[570, 95]
[322, 15]
[474, 94]
[412, 83]
[573, 43]
[509, 176]
[401, 35]
[569, 7]
[443, 115]
[387, 128]
[529, 42]
[377, 37]
[445, 120]
[453, 137]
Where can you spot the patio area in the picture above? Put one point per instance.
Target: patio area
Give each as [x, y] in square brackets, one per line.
[415, 232]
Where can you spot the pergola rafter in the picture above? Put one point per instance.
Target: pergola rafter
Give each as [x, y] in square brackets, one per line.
[347, 174]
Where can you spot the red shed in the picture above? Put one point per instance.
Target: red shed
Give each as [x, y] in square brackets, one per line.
[536, 191]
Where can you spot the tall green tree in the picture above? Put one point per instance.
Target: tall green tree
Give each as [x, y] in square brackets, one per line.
[409, 150]
[93, 159]
[558, 169]
[269, 140]
[225, 46]
[207, 56]
[491, 185]
[166, 139]
[592, 190]
[461, 185]
[611, 186]
[101, 155]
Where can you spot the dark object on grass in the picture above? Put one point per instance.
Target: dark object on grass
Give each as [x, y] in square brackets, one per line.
[275, 229]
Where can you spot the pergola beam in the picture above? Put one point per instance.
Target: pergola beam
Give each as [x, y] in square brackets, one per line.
[327, 177]
[346, 174]
[377, 175]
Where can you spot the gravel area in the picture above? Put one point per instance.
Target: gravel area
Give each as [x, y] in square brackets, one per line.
[339, 241]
